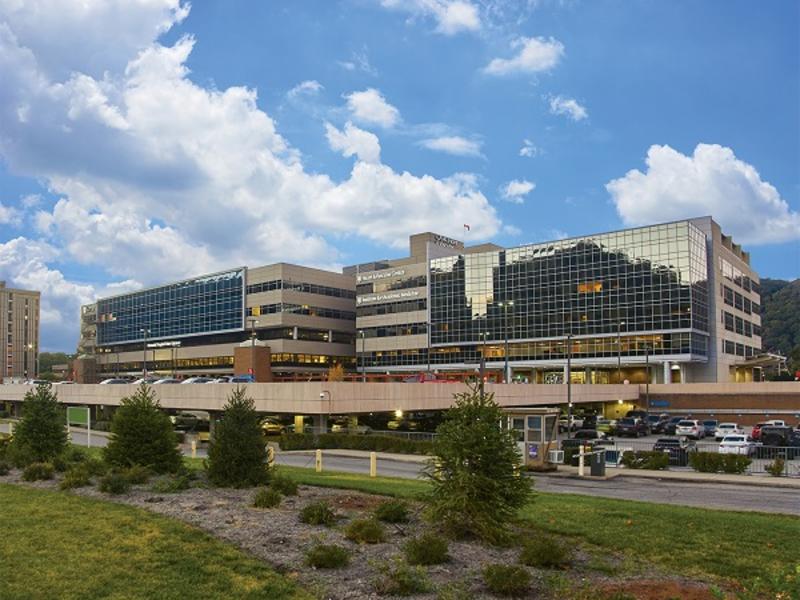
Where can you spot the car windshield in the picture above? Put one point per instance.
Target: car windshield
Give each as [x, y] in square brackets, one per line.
[668, 442]
[733, 438]
[628, 421]
[727, 425]
[709, 422]
[686, 424]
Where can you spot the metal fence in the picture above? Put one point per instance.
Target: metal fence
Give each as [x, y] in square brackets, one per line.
[762, 457]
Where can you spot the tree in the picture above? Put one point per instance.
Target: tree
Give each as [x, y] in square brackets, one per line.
[237, 453]
[41, 434]
[477, 487]
[141, 434]
[336, 373]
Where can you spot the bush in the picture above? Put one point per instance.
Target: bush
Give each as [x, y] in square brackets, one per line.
[427, 549]
[237, 454]
[41, 434]
[101, 426]
[397, 578]
[114, 483]
[267, 498]
[5, 442]
[735, 463]
[365, 531]
[38, 471]
[75, 477]
[141, 434]
[327, 556]
[368, 442]
[545, 551]
[476, 484]
[283, 484]
[776, 468]
[318, 513]
[95, 467]
[5, 468]
[173, 484]
[392, 511]
[454, 591]
[507, 580]
[645, 459]
[137, 474]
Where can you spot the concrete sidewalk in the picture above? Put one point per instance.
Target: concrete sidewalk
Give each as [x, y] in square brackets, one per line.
[683, 476]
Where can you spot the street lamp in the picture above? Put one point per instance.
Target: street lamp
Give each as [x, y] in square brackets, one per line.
[482, 336]
[647, 371]
[619, 350]
[146, 332]
[569, 385]
[253, 323]
[506, 305]
[362, 333]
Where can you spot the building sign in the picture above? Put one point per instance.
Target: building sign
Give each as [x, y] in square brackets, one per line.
[441, 240]
[388, 297]
[659, 403]
[376, 275]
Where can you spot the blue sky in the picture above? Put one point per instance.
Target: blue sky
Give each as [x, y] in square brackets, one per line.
[142, 141]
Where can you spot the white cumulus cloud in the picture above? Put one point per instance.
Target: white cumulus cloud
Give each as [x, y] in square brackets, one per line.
[516, 189]
[451, 16]
[534, 55]
[569, 107]
[310, 87]
[369, 106]
[712, 181]
[453, 144]
[354, 141]
[529, 149]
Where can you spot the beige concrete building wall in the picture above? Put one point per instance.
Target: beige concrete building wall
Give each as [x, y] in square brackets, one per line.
[19, 325]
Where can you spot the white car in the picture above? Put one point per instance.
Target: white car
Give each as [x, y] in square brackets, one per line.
[166, 380]
[148, 380]
[724, 429]
[776, 423]
[197, 380]
[691, 429]
[114, 380]
[736, 444]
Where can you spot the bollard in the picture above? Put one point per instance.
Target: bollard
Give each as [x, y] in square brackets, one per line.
[194, 448]
[319, 461]
[373, 464]
[270, 456]
[580, 460]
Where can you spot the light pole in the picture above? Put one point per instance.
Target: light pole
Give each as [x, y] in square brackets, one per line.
[482, 336]
[647, 371]
[253, 323]
[569, 385]
[506, 305]
[619, 350]
[362, 334]
[146, 332]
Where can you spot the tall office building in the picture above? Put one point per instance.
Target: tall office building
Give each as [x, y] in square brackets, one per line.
[305, 316]
[677, 299]
[19, 311]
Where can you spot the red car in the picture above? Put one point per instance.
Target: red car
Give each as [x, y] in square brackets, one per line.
[756, 434]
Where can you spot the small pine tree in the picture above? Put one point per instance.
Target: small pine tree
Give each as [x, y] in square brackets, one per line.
[141, 434]
[237, 453]
[475, 471]
[41, 435]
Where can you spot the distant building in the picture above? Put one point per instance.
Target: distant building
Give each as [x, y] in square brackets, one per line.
[19, 322]
[678, 297]
[305, 316]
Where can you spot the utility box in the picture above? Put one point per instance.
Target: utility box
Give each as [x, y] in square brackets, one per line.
[536, 431]
[598, 463]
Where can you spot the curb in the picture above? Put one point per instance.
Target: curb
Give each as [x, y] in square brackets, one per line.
[778, 482]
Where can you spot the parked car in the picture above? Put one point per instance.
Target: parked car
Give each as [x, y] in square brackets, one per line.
[710, 427]
[241, 379]
[691, 429]
[756, 432]
[589, 422]
[657, 423]
[166, 380]
[776, 423]
[672, 425]
[272, 427]
[607, 426]
[65, 382]
[588, 434]
[724, 429]
[636, 414]
[38, 382]
[197, 380]
[678, 449]
[114, 381]
[736, 444]
[149, 380]
[345, 426]
[631, 426]
[577, 423]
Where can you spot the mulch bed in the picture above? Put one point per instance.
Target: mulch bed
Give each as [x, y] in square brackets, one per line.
[279, 538]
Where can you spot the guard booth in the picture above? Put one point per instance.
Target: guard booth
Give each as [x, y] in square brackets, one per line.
[536, 431]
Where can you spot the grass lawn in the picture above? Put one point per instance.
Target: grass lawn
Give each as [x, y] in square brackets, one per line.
[57, 545]
[734, 546]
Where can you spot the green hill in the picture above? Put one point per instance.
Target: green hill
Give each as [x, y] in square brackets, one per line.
[780, 318]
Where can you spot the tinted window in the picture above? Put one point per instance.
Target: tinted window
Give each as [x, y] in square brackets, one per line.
[686, 424]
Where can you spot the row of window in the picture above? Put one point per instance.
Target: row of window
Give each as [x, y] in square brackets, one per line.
[738, 277]
[394, 330]
[735, 299]
[300, 286]
[739, 325]
[302, 309]
[283, 359]
[391, 308]
[377, 287]
[740, 349]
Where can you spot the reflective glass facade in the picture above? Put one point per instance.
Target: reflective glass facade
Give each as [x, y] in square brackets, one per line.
[652, 279]
[200, 306]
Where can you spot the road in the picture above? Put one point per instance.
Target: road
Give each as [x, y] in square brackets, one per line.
[704, 495]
